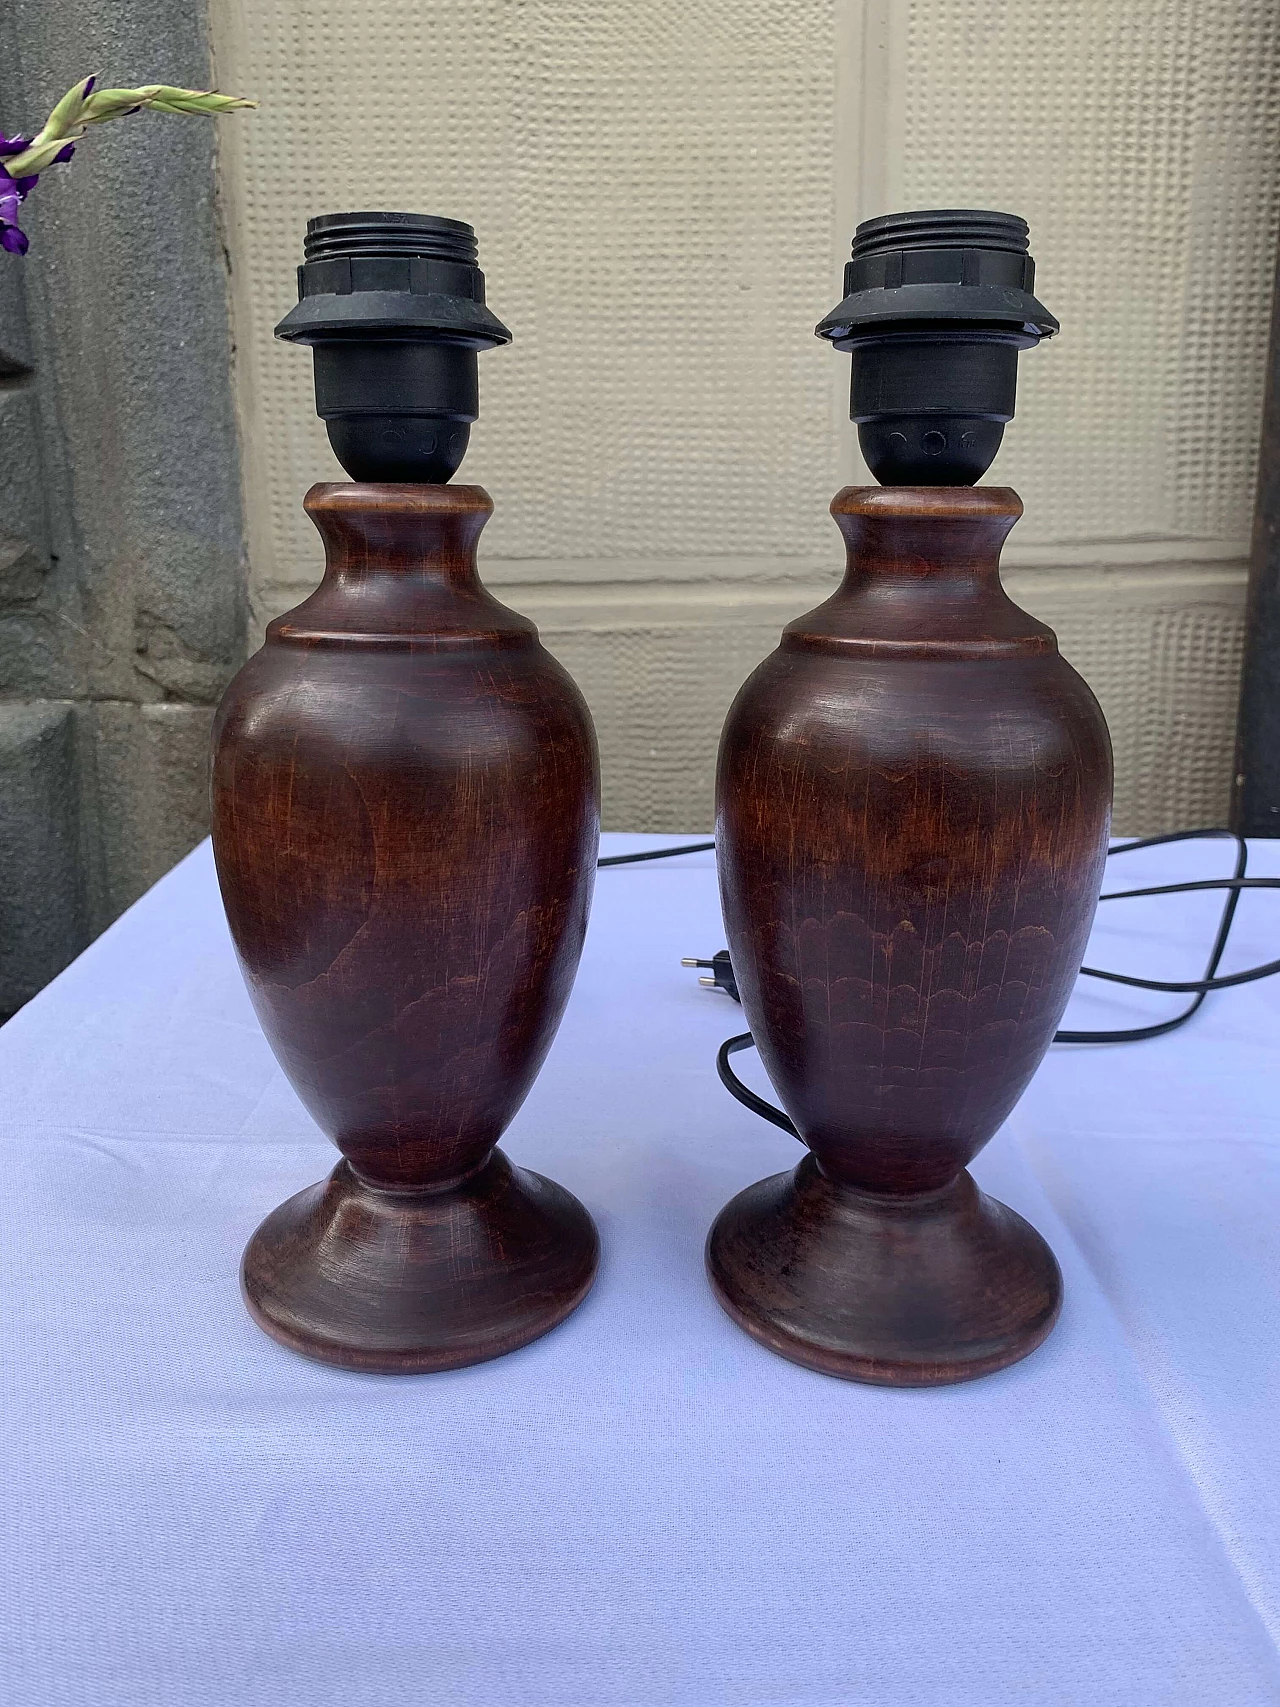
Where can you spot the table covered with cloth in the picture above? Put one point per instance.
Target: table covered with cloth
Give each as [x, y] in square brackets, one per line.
[645, 1506]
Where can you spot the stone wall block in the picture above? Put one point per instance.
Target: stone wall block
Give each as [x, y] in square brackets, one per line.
[35, 659]
[15, 336]
[41, 894]
[148, 767]
[23, 515]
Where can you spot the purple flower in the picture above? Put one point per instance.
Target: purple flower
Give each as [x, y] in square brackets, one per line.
[13, 192]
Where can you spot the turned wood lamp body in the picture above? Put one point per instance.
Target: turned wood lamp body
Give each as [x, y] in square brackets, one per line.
[913, 804]
[405, 824]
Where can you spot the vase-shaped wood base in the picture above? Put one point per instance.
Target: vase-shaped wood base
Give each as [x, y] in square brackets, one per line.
[913, 801]
[401, 1283]
[405, 822]
[902, 1291]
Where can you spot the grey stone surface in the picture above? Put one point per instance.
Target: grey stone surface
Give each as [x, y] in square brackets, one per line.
[42, 922]
[32, 652]
[126, 299]
[122, 560]
[15, 338]
[145, 771]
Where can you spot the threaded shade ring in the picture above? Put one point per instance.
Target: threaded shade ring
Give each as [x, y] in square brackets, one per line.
[941, 228]
[428, 236]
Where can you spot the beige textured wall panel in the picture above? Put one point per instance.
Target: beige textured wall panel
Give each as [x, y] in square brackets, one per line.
[1142, 143]
[663, 194]
[651, 185]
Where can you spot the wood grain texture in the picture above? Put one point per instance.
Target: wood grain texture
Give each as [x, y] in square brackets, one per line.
[913, 803]
[405, 823]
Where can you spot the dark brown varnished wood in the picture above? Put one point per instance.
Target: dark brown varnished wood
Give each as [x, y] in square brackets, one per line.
[405, 823]
[913, 803]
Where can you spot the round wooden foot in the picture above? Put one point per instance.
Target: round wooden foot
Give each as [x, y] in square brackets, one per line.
[905, 1292]
[400, 1283]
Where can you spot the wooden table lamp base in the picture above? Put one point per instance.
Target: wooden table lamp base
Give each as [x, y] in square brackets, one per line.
[913, 807]
[901, 1291]
[405, 826]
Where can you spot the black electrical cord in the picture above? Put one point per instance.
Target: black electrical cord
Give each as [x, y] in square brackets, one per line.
[655, 853]
[745, 1095]
[1197, 988]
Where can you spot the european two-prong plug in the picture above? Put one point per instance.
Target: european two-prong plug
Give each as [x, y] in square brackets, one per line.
[722, 977]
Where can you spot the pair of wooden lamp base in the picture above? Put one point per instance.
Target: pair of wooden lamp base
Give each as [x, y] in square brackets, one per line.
[907, 1292]
[913, 804]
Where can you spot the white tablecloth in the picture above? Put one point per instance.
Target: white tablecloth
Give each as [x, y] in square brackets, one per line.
[645, 1506]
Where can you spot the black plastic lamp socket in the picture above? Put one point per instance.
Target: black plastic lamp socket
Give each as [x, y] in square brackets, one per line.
[936, 307]
[393, 307]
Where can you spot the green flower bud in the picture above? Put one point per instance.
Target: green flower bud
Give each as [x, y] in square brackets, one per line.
[65, 117]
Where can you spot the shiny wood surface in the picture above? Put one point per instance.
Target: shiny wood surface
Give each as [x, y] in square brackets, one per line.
[913, 805]
[405, 826]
